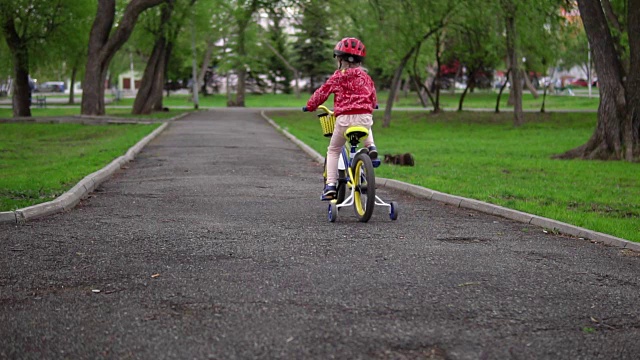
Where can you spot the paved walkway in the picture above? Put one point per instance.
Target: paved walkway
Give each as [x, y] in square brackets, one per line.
[213, 244]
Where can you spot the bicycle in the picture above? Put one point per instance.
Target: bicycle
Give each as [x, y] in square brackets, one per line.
[355, 173]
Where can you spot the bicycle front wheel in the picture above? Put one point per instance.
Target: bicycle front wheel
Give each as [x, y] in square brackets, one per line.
[364, 180]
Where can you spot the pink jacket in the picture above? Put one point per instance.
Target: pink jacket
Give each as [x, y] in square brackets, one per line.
[353, 89]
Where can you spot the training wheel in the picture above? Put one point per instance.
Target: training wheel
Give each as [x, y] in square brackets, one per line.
[393, 211]
[332, 211]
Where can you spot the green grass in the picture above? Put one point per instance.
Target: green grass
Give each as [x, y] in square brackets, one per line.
[39, 162]
[483, 156]
[485, 99]
[72, 110]
[479, 99]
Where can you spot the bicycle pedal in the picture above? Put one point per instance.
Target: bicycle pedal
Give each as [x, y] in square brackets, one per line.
[328, 197]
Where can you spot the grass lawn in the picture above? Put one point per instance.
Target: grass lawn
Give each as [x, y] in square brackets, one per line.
[479, 99]
[484, 99]
[39, 162]
[72, 110]
[487, 100]
[482, 156]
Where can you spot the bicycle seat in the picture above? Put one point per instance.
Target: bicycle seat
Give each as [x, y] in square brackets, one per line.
[356, 132]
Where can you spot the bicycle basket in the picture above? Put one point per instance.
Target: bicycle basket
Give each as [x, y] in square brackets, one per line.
[328, 122]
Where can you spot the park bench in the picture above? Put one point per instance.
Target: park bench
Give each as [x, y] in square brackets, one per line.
[41, 101]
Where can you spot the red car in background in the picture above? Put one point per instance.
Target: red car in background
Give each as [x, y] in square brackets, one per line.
[580, 83]
[583, 83]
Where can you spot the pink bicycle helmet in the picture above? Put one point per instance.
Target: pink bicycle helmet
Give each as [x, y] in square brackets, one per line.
[350, 49]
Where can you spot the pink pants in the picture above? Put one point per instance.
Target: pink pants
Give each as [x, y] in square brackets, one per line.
[338, 140]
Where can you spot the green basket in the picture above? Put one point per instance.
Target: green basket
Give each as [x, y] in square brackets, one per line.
[328, 122]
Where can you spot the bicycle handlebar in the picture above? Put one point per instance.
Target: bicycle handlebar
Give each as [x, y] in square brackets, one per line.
[322, 107]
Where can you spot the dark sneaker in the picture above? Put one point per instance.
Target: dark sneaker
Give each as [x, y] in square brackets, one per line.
[373, 152]
[329, 192]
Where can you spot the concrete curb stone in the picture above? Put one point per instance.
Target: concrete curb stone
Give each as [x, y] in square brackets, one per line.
[81, 190]
[552, 225]
[8, 217]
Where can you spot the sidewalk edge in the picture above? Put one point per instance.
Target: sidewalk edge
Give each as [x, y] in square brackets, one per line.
[551, 225]
[81, 190]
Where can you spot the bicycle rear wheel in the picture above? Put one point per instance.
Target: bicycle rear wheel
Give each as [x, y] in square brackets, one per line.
[364, 180]
[342, 186]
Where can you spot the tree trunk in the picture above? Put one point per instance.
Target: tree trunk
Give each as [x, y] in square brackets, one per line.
[470, 84]
[240, 68]
[512, 54]
[240, 91]
[397, 77]
[421, 88]
[405, 88]
[205, 63]
[103, 44]
[21, 97]
[397, 92]
[506, 80]
[632, 91]
[153, 78]
[228, 86]
[529, 85]
[617, 134]
[22, 91]
[438, 78]
[72, 84]
[149, 97]
[416, 83]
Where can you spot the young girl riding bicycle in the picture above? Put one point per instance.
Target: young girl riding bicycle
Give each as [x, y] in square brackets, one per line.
[353, 103]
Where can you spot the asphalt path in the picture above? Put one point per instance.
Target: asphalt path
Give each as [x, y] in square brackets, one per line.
[213, 244]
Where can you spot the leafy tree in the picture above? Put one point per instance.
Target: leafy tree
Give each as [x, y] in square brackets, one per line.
[6, 69]
[527, 27]
[575, 49]
[26, 25]
[104, 42]
[279, 67]
[613, 30]
[67, 50]
[474, 40]
[402, 29]
[314, 43]
[242, 12]
[164, 27]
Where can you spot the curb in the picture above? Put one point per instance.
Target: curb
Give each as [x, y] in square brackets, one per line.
[553, 226]
[81, 190]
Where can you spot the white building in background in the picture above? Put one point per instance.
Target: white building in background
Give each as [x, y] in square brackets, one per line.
[129, 81]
